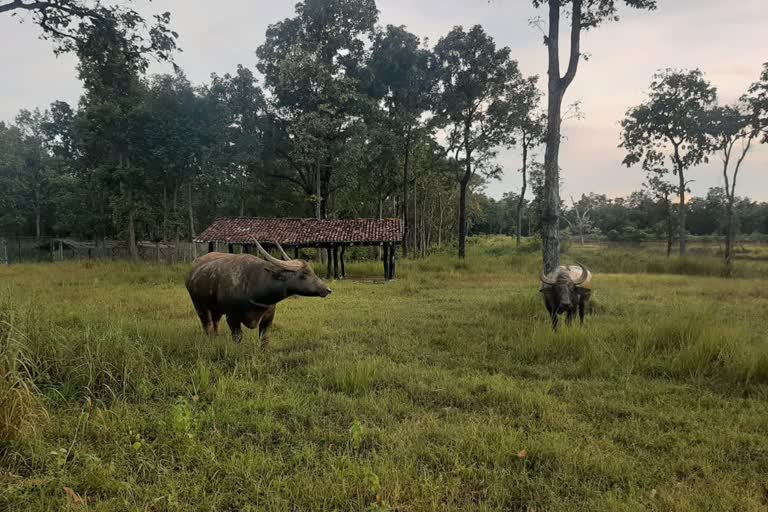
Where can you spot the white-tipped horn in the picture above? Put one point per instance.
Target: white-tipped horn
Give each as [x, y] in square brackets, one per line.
[279, 248]
[292, 265]
[546, 280]
[266, 255]
[584, 275]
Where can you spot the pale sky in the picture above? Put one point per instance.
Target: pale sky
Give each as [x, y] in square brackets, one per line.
[725, 38]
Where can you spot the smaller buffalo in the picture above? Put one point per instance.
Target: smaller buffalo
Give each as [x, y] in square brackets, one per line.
[565, 290]
[247, 289]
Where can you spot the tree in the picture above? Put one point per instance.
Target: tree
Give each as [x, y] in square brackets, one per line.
[585, 15]
[243, 128]
[69, 24]
[731, 126]
[581, 214]
[757, 96]
[110, 119]
[402, 81]
[35, 163]
[662, 190]
[734, 128]
[529, 123]
[11, 178]
[173, 129]
[476, 89]
[671, 124]
[312, 64]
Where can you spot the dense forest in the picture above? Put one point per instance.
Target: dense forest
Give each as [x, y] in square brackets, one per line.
[341, 118]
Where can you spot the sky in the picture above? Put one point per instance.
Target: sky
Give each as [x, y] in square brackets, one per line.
[725, 39]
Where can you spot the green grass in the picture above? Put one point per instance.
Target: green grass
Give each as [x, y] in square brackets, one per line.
[444, 390]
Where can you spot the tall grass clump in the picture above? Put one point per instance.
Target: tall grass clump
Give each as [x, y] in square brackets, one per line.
[20, 406]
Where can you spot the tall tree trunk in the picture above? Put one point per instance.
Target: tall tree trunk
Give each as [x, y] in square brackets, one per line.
[176, 216]
[381, 216]
[415, 224]
[38, 208]
[550, 215]
[521, 200]
[681, 213]
[729, 233]
[730, 192]
[191, 212]
[463, 214]
[441, 209]
[134, 250]
[406, 220]
[423, 240]
[318, 210]
[463, 192]
[318, 194]
[165, 213]
[668, 205]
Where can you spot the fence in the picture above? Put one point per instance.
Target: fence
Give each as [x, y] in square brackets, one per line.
[15, 250]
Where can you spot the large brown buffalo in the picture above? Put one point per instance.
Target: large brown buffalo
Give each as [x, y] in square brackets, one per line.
[565, 290]
[246, 289]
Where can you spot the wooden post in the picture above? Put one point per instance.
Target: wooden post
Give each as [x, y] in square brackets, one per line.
[53, 251]
[61, 251]
[386, 261]
[328, 272]
[231, 248]
[343, 270]
[211, 246]
[157, 254]
[392, 261]
[335, 261]
[246, 249]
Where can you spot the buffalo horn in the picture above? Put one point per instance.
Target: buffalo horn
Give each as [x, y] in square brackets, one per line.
[583, 276]
[546, 280]
[285, 256]
[288, 265]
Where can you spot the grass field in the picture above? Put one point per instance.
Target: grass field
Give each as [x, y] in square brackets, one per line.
[445, 390]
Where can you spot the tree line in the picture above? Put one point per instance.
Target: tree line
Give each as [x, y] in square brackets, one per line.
[638, 217]
[348, 119]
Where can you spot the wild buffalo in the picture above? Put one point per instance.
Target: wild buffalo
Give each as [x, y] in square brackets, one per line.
[565, 290]
[247, 289]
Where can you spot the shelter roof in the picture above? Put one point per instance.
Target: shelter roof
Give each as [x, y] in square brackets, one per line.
[303, 232]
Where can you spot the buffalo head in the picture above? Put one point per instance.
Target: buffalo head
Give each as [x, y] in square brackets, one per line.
[567, 290]
[297, 275]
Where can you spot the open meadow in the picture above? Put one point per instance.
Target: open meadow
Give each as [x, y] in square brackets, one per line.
[445, 390]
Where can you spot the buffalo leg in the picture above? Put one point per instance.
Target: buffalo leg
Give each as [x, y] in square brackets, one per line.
[205, 318]
[234, 326]
[265, 326]
[552, 314]
[581, 312]
[569, 317]
[215, 317]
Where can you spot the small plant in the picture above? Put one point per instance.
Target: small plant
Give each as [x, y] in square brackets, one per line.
[181, 421]
[59, 456]
[357, 434]
[136, 440]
